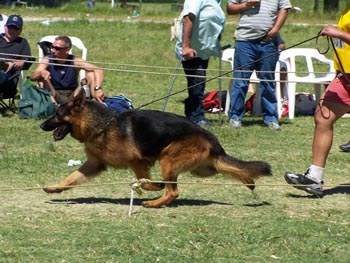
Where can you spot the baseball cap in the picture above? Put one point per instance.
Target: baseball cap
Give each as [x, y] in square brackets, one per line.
[15, 20]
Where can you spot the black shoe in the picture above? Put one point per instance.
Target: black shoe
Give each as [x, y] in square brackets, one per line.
[345, 147]
[303, 182]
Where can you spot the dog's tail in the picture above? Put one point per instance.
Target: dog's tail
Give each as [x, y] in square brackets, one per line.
[245, 171]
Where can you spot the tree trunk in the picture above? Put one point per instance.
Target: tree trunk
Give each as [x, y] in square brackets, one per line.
[317, 5]
[331, 6]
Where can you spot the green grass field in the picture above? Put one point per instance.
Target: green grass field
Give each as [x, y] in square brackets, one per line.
[213, 220]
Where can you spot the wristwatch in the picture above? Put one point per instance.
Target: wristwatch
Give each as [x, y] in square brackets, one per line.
[97, 88]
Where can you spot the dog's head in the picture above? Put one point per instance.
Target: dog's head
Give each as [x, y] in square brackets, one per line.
[66, 115]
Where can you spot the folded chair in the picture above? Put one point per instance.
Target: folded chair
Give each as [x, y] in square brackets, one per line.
[8, 90]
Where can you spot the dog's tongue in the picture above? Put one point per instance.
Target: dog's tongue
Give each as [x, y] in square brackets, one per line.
[61, 132]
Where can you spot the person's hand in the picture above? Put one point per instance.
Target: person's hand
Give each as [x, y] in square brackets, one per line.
[53, 100]
[10, 66]
[188, 53]
[99, 95]
[45, 74]
[270, 35]
[330, 30]
[251, 4]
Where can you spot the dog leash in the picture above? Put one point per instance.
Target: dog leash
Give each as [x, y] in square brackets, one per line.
[223, 74]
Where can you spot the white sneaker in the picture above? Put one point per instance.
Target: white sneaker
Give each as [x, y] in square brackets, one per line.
[235, 123]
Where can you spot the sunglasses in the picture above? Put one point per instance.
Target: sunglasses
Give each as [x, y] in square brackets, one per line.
[58, 48]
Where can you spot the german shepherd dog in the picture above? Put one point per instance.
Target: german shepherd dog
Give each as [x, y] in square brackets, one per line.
[136, 139]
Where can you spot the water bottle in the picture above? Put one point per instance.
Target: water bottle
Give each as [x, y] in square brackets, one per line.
[86, 87]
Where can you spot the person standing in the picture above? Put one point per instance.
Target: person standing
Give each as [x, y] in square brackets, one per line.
[258, 25]
[334, 103]
[202, 22]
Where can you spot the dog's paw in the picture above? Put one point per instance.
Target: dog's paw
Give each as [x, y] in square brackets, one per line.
[151, 204]
[52, 189]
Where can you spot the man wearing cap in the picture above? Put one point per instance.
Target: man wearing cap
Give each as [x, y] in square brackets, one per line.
[14, 51]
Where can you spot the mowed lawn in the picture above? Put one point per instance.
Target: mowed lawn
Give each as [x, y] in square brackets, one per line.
[214, 219]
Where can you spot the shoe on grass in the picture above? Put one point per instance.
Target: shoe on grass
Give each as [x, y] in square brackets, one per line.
[273, 125]
[303, 182]
[235, 123]
[204, 123]
[345, 147]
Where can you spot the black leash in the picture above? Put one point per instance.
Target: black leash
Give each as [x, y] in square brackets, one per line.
[225, 73]
[330, 40]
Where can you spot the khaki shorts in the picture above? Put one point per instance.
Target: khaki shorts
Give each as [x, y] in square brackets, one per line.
[63, 96]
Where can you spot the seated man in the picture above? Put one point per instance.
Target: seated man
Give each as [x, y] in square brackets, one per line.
[14, 51]
[59, 73]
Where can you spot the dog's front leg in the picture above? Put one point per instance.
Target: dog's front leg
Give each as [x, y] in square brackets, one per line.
[87, 171]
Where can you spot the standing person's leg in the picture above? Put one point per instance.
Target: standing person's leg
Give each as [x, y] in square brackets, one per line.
[194, 110]
[245, 55]
[266, 73]
[334, 104]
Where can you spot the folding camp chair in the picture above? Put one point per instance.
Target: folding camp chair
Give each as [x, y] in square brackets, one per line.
[8, 90]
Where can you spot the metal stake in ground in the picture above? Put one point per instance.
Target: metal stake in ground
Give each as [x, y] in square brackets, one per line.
[171, 85]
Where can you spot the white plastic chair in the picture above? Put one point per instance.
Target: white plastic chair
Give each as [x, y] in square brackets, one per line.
[309, 55]
[76, 42]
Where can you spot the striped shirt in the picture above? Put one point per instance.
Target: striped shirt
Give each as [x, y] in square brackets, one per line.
[255, 23]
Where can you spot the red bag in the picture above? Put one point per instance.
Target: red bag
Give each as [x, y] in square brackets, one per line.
[211, 101]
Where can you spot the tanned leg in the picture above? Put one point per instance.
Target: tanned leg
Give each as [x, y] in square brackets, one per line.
[325, 116]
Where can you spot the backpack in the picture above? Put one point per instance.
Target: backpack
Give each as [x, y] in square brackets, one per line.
[119, 103]
[211, 101]
[35, 103]
[305, 104]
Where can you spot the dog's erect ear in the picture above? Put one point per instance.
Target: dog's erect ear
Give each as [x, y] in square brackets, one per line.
[79, 97]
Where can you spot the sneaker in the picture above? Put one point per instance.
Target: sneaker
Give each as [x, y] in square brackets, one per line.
[235, 123]
[203, 123]
[303, 182]
[345, 147]
[273, 125]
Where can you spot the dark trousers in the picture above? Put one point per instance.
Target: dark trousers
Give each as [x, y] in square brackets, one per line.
[196, 85]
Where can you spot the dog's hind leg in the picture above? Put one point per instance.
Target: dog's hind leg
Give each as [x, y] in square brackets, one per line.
[180, 156]
[86, 172]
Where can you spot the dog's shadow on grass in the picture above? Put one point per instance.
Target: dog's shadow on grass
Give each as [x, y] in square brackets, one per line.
[138, 202]
[339, 189]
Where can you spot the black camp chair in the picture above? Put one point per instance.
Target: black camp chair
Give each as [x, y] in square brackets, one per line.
[8, 89]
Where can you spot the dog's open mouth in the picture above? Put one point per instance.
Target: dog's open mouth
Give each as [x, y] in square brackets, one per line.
[61, 131]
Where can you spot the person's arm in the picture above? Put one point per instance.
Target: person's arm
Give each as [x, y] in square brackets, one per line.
[18, 64]
[235, 9]
[98, 77]
[41, 73]
[333, 31]
[281, 18]
[187, 51]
